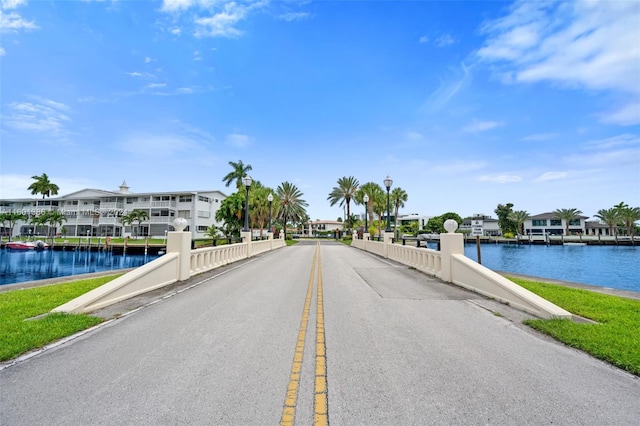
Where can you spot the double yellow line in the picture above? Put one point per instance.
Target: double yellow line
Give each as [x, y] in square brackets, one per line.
[320, 403]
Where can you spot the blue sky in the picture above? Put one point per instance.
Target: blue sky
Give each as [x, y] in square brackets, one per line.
[464, 104]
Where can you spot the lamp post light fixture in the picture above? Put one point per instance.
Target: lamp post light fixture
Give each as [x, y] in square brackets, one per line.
[387, 183]
[247, 184]
[366, 213]
[270, 198]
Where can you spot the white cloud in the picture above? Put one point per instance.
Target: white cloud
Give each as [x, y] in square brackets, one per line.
[626, 139]
[222, 24]
[424, 39]
[12, 4]
[500, 178]
[586, 44]
[176, 31]
[13, 22]
[155, 85]
[177, 5]
[294, 16]
[477, 126]
[238, 140]
[148, 59]
[2, 51]
[42, 116]
[551, 176]
[448, 89]
[444, 40]
[628, 115]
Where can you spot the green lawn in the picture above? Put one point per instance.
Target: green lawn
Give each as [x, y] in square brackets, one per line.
[616, 336]
[20, 334]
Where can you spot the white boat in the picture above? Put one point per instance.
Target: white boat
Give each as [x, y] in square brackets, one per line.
[27, 245]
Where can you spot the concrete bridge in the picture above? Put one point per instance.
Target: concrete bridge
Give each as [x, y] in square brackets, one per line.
[317, 333]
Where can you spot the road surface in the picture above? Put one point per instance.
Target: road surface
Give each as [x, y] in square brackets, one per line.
[320, 333]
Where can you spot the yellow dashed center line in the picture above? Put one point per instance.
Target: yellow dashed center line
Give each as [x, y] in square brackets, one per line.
[320, 407]
[320, 402]
[289, 410]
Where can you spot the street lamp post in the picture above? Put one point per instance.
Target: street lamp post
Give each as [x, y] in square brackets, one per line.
[387, 183]
[366, 213]
[247, 184]
[270, 198]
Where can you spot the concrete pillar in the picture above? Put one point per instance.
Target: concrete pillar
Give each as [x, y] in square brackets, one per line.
[450, 244]
[180, 242]
[388, 239]
[270, 238]
[246, 239]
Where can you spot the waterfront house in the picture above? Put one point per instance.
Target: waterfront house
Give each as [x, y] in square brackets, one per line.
[549, 224]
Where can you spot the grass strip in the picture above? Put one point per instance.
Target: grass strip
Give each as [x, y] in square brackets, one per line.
[616, 336]
[19, 333]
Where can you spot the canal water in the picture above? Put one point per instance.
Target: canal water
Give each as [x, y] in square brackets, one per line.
[21, 266]
[604, 266]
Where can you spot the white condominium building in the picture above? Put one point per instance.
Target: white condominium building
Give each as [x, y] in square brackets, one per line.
[97, 212]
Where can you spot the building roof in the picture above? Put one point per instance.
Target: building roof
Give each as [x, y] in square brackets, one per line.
[551, 215]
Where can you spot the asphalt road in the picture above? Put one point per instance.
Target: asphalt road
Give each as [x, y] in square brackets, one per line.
[401, 349]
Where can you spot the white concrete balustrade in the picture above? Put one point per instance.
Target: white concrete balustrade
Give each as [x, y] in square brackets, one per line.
[178, 264]
[452, 266]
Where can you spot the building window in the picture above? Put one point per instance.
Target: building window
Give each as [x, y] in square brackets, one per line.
[556, 222]
[185, 199]
[185, 214]
[539, 222]
[203, 198]
[575, 222]
[202, 228]
[202, 213]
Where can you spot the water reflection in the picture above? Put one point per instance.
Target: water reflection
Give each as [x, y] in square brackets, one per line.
[20, 266]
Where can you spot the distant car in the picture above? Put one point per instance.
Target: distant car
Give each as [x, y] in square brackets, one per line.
[424, 237]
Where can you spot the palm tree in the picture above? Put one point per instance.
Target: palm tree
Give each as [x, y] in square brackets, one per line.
[292, 206]
[398, 198]
[212, 232]
[567, 215]
[610, 217]
[628, 217]
[139, 216]
[258, 200]
[343, 193]
[13, 218]
[239, 171]
[376, 195]
[54, 218]
[125, 219]
[43, 186]
[519, 217]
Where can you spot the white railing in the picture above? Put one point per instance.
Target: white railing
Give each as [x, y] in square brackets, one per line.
[424, 260]
[208, 258]
[180, 263]
[450, 265]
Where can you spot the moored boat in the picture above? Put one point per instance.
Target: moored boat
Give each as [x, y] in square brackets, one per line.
[27, 245]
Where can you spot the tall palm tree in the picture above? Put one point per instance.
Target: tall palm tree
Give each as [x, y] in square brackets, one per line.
[258, 200]
[140, 216]
[43, 186]
[376, 197]
[398, 198]
[292, 206]
[519, 217]
[344, 193]
[567, 215]
[610, 217]
[239, 171]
